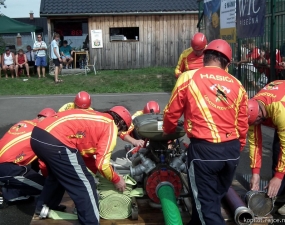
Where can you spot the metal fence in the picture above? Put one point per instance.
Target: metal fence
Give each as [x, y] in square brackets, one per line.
[254, 75]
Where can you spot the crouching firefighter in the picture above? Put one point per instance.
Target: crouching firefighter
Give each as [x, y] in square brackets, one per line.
[214, 105]
[69, 143]
[130, 135]
[81, 101]
[19, 177]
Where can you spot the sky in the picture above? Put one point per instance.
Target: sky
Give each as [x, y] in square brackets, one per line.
[21, 8]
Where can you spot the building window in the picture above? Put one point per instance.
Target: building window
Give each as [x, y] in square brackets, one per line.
[124, 34]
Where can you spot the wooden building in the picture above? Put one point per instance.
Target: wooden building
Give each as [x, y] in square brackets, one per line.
[135, 34]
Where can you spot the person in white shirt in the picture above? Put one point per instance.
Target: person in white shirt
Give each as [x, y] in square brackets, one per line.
[31, 57]
[8, 62]
[39, 49]
[56, 57]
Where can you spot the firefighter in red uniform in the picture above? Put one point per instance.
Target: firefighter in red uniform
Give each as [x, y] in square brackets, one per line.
[81, 101]
[214, 104]
[69, 143]
[267, 108]
[131, 136]
[18, 177]
[192, 58]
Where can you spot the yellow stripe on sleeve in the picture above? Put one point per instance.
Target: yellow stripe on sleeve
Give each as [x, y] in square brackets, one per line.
[14, 142]
[91, 117]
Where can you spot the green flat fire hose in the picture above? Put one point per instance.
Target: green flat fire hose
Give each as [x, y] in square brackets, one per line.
[114, 204]
[57, 215]
[169, 207]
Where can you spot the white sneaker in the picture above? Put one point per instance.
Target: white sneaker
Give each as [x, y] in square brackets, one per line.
[281, 210]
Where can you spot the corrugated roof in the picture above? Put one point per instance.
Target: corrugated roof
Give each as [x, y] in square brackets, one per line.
[75, 7]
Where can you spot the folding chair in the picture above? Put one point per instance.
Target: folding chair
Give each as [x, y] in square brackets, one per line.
[91, 65]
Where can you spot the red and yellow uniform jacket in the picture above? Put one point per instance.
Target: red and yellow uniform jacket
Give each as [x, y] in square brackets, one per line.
[93, 133]
[131, 128]
[272, 96]
[188, 61]
[15, 145]
[69, 106]
[214, 105]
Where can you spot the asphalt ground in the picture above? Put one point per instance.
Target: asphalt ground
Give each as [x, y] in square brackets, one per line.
[16, 108]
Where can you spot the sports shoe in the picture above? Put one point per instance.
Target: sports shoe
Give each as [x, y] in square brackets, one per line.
[60, 208]
[3, 203]
[281, 210]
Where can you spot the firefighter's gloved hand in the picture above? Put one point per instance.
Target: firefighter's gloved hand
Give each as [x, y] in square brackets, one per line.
[121, 185]
[138, 143]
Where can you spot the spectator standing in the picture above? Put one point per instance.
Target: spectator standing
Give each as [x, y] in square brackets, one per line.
[40, 48]
[56, 57]
[243, 58]
[252, 57]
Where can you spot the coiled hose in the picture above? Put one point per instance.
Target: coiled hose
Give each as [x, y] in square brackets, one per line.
[114, 204]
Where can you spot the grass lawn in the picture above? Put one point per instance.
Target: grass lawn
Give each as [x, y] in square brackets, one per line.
[154, 79]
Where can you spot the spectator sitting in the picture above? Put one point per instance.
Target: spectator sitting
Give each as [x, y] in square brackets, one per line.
[8, 62]
[66, 52]
[31, 57]
[21, 62]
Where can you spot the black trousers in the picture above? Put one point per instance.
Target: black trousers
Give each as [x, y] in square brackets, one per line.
[211, 168]
[19, 181]
[66, 171]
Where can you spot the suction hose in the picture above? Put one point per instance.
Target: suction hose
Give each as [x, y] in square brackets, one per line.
[242, 214]
[165, 193]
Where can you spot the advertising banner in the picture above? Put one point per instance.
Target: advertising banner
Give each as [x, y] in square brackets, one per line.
[212, 19]
[250, 18]
[228, 20]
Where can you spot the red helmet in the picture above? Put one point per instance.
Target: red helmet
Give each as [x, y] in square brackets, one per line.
[221, 46]
[198, 41]
[82, 100]
[151, 106]
[47, 112]
[253, 110]
[123, 113]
